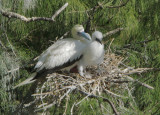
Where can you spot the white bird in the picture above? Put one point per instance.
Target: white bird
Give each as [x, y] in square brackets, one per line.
[94, 53]
[62, 54]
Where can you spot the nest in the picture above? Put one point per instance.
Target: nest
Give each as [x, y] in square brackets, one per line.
[112, 78]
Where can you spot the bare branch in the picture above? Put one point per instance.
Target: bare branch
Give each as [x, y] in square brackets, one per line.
[116, 95]
[64, 35]
[143, 84]
[66, 105]
[23, 18]
[112, 32]
[45, 107]
[140, 70]
[104, 99]
[72, 108]
[59, 11]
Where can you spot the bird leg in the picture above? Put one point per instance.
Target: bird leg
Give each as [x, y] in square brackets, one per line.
[81, 70]
[83, 73]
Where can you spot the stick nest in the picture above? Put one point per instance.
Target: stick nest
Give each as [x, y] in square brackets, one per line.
[112, 80]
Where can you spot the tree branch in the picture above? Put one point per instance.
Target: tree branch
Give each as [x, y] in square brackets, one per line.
[104, 99]
[59, 11]
[23, 18]
[112, 32]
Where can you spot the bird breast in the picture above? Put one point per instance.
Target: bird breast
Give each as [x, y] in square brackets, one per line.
[94, 54]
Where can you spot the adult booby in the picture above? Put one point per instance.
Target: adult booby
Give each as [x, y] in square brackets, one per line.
[94, 53]
[62, 54]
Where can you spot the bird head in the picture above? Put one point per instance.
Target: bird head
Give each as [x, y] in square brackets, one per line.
[78, 33]
[97, 35]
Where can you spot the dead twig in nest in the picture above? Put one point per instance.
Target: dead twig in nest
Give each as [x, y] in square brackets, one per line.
[110, 80]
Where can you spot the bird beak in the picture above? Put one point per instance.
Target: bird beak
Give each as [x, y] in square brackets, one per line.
[85, 35]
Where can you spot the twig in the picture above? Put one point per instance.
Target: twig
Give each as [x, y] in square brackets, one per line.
[29, 104]
[59, 11]
[64, 35]
[104, 99]
[143, 84]
[141, 70]
[67, 98]
[82, 100]
[69, 91]
[113, 93]
[72, 108]
[13, 70]
[45, 107]
[42, 105]
[109, 47]
[106, 110]
[23, 18]
[112, 32]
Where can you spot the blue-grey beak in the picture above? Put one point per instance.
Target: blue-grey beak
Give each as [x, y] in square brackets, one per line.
[85, 35]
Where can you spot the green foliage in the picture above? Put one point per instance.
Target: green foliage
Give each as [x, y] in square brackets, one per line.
[141, 21]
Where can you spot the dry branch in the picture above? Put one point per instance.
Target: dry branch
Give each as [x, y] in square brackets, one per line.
[111, 81]
[23, 18]
[59, 11]
[140, 70]
[100, 97]
[112, 32]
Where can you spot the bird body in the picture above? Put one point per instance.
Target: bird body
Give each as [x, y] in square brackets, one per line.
[63, 54]
[94, 53]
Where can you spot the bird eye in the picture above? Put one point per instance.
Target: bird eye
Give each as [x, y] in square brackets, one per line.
[78, 33]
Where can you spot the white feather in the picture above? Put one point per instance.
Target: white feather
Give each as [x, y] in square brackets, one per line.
[94, 53]
[60, 52]
[27, 81]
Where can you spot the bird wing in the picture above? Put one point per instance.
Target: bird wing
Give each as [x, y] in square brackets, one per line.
[59, 53]
[27, 81]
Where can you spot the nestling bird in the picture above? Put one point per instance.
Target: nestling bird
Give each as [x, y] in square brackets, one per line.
[94, 53]
[63, 54]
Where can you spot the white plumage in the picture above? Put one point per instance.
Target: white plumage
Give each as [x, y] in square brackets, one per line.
[62, 54]
[94, 52]
[63, 51]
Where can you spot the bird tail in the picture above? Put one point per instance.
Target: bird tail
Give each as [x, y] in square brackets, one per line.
[27, 81]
